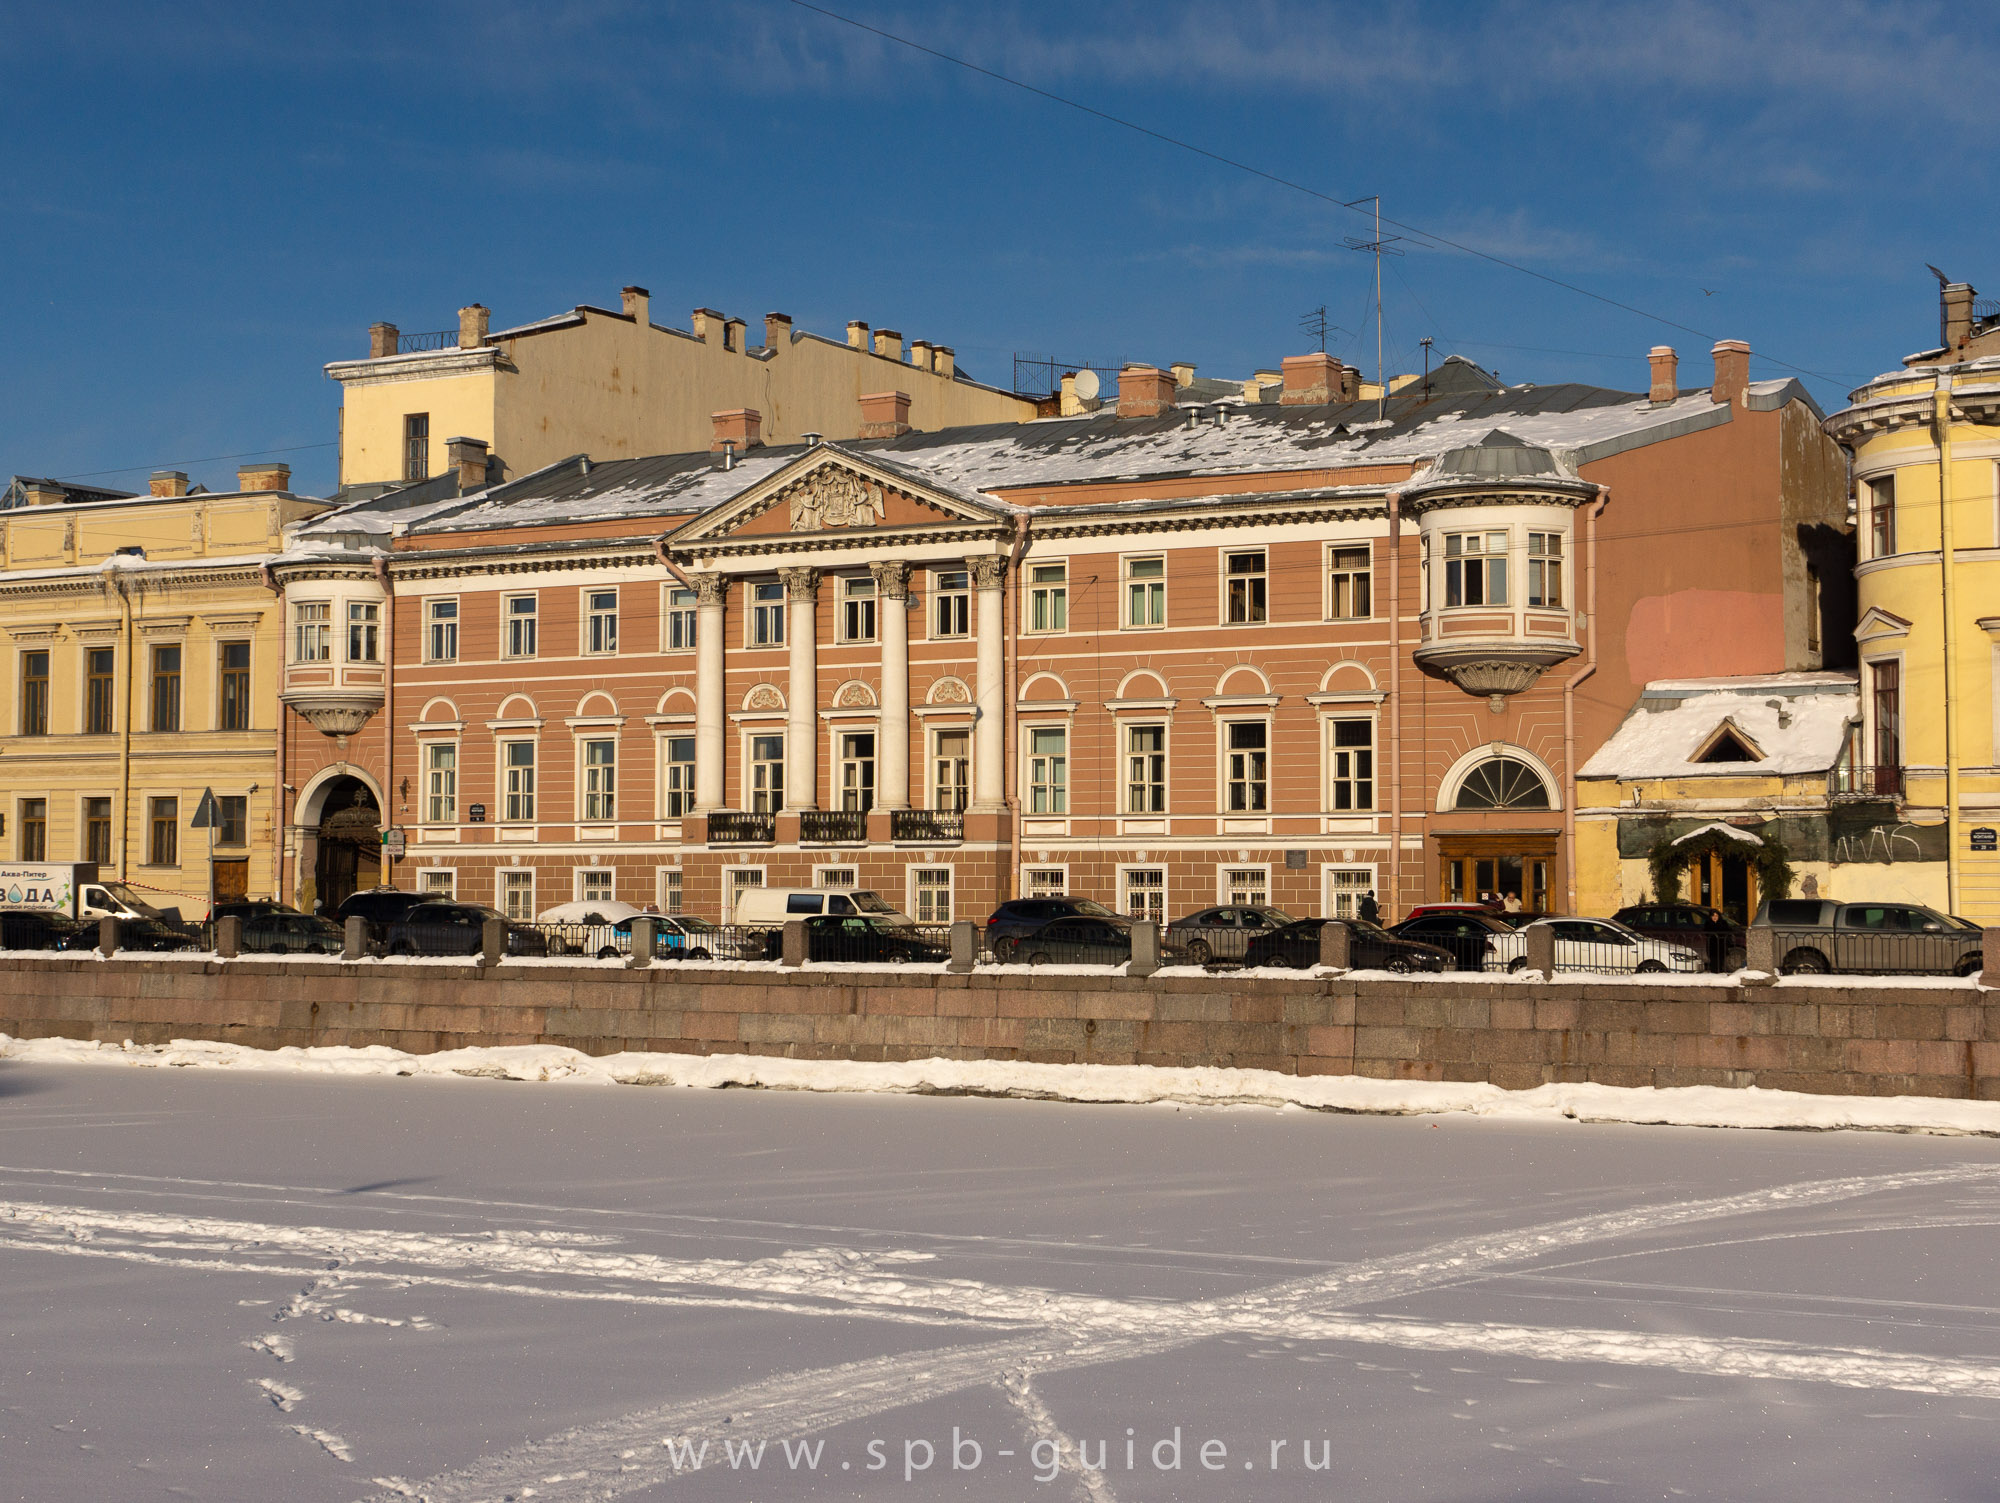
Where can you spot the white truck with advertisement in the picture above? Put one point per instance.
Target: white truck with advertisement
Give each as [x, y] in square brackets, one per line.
[74, 889]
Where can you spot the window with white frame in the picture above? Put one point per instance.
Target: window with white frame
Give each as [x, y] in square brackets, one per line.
[593, 884]
[857, 609]
[735, 882]
[364, 631]
[1246, 886]
[517, 781]
[1048, 597]
[441, 783]
[1349, 589]
[1145, 592]
[441, 631]
[846, 878]
[1545, 569]
[951, 770]
[767, 774]
[600, 778]
[930, 894]
[857, 770]
[1882, 516]
[600, 627]
[1248, 597]
[1350, 763]
[951, 603]
[680, 621]
[1048, 769]
[765, 621]
[439, 882]
[677, 776]
[522, 625]
[670, 886]
[1145, 769]
[1475, 569]
[517, 894]
[1346, 886]
[1044, 881]
[312, 631]
[1145, 892]
[1247, 768]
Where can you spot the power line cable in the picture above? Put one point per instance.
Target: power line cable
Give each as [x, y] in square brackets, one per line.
[133, 469]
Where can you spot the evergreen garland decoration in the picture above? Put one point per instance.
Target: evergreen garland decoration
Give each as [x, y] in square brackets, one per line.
[1667, 861]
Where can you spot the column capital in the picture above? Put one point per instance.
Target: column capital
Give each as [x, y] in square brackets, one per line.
[892, 579]
[710, 589]
[800, 583]
[989, 571]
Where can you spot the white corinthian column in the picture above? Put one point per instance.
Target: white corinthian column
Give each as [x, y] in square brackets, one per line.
[709, 715]
[802, 713]
[989, 784]
[892, 604]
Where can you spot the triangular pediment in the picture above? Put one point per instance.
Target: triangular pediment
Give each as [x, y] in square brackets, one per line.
[1876, 623]
[831, 495]
[1728, 742]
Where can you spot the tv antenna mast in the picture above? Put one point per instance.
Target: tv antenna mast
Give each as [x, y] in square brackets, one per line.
[1378, 248]
[1317, 326]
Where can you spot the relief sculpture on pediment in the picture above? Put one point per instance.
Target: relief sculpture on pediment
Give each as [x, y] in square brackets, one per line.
[835, 498]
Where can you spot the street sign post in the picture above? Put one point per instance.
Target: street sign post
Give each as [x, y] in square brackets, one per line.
[394, 843]
[204, 819]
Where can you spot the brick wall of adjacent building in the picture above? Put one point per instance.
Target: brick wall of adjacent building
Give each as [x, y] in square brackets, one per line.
[1843, 1038]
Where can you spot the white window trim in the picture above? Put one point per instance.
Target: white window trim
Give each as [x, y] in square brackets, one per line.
[500, 770]
[1026, 730]
[910, 885]
[660, 884]
[1045, 866]
[834, 730]
[744, 772]
[751, 605]
[1337, 545]
[1517, 579]
[1166, 881]
[1027, 587]
[1223, 721]
[1222, 870]
[1868, 739]
[293, 645]
[507, 620]
[1222, 557]
[576, 882]
[931, 784]
[457, 780]
[583, 615]
[1329, 712]
[730, 888]
[934, 592]
[820, 871]
[666, 729]
[1123, 727]
[150, 648]
[1125, 583]
[500, 876]
[841, 598]
[583, 737]
[424, 873]
[1326, 871]
[667, 609]
[457, 623]
[348, 607]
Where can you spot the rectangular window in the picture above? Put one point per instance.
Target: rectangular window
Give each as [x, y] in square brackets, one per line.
[735, 882]
[1888, 710]
[163, 847]
[97, 830]
[857, 770]
[1345, 888]
[1350, 592]
[678, 776]
[233, 670]
[441, 783]
[1146, 893]
[1249, 588]
[100, 691]
[1249, 770]
[34, 829]
[593, 884]
[845, 877]
[930, 888]
[680, 621]
[1475, 568]
[600, 779]
[167, 688]
[1048, 597]
[767, 615]
[1882, 516]
[1351, 764]
[441, 634]
[767, 774]
[440, 882]
[1045, 882]
[517, 895]
[416, 445]
[523, 625]
[1246, 886]
[1145, 769]
[232, 819]
[1545, 569]
[517, 792]
[601, 627]
[673, 889]
[1145, 592]
[1048, 770]
[857, 610]
[951, 603]
[951, 779]
[312, 631]
[34, 694]
[1812, 609]
[364, 631]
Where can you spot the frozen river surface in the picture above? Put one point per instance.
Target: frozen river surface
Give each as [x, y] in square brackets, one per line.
[231, 1286]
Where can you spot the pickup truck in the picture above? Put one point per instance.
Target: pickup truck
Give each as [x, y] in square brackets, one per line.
[1815, 936]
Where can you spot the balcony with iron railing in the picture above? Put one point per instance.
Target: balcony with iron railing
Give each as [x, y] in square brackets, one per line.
[1851, 781]
[833, 827]
[927, 825]
[735, 827]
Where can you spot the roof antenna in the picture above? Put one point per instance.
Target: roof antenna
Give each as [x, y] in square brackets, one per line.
[1426, 343]
[1378, 248]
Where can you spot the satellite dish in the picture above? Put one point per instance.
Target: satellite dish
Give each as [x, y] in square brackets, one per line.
[1086, 385]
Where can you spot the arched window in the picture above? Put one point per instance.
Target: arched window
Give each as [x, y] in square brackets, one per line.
[1502, 783]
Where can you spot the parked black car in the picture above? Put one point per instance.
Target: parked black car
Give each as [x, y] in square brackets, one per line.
[380, 907]
[1224, 932]
[1369, 948]
[282, 931]
[1470, 938]
[1709, 932]
[40, 929]
[1086, 939]
[250, 908]
[446, 928]
[1815, 935]
[1016, 919]
[831, 937]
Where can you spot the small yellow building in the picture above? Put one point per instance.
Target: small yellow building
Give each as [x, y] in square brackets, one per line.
[143, 649]
[615, 385]
[1926, 447]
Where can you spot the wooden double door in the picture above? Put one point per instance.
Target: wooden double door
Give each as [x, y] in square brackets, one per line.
[1475, 868]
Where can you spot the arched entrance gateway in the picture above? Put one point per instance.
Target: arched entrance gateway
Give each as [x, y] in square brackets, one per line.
[346, 843]
[1497, 831]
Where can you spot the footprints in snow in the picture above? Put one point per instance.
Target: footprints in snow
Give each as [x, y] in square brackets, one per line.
[286, 1397]
[333, 1445]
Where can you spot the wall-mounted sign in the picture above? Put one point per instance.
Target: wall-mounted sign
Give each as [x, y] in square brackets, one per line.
[1986, 838]
[476, 813]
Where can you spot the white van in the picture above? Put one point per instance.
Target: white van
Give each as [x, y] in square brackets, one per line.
[770, 907]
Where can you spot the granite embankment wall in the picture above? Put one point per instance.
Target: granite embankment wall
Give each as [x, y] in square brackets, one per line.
[1844, 1036]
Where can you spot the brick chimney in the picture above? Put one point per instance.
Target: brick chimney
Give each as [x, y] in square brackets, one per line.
[920, 354]
[889, 344]
[1350, 384]
[43, 492]
[944, 361]
[1183, 373]
[1732, 371]
[1665, 365]
[264, 477]
[468, 457]
[885, 414]
[857, 334]
[637, 303]
[708, 326]
[1144, 391]
[382, 340]
[472, 326]
[732, 334]
[740, 426]
[1312, 380]
[1956, 299]
[778, 331]
[169, 483]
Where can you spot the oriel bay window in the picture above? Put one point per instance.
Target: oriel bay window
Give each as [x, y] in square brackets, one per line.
[600, 779]
[517, 773]
[1145, 592]
[1247, 768]
[951, 774]
[1048, 597]
[857, 610]
[1048, 770]
[233, 674]
[767, 774]
[677, 776]
[1349, 592]
[441, 783]
[1475, 568]
[1350, 764]
[857, 770]
[100, 692]
[34, 694]
[1145, 769]
[167, 687]
[951, 603]
[364, 631]
[312, 631]
[1248, 597]
[1545, 569]
[766, 621]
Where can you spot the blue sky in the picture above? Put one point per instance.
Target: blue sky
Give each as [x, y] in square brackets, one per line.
[206, 202]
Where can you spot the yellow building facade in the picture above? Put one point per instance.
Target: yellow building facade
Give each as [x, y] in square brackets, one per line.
[1925, 442]
[143, 649]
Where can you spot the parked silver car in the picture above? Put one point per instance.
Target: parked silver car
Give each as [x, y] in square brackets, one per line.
[1223, 932]
[1815, 936]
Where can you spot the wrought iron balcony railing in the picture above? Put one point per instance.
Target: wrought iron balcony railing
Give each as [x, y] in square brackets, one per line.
[926, 824]
[833, 826]
[1849, 781]
[734, 827]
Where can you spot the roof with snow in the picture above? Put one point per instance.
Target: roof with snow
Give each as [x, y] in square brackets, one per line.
[1700, 727]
